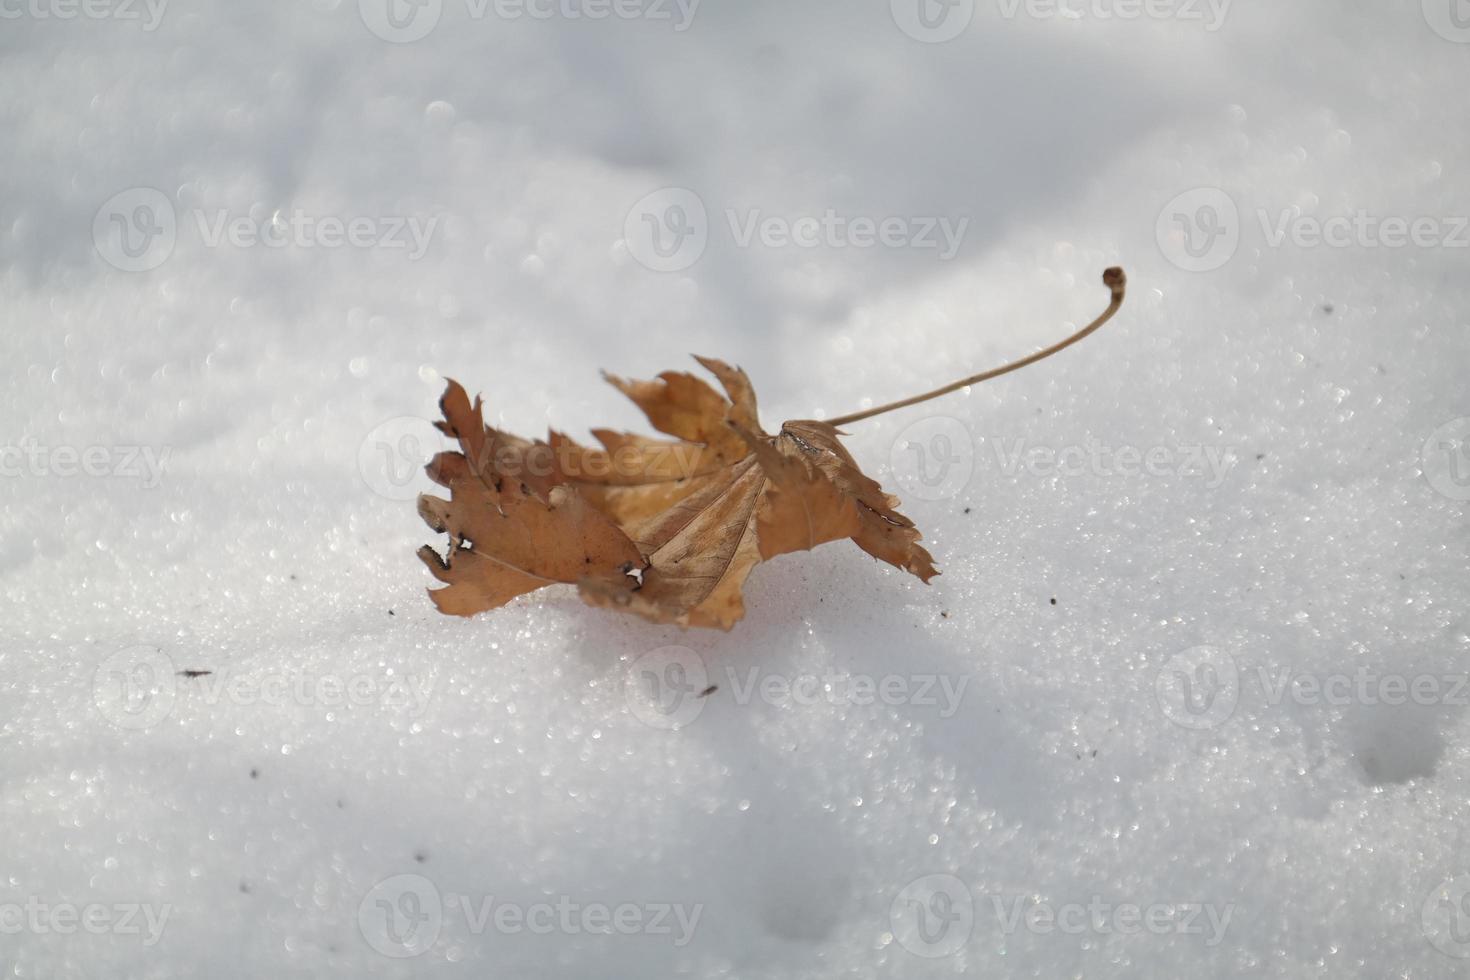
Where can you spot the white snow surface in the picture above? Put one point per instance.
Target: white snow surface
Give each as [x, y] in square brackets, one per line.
[1198, 761]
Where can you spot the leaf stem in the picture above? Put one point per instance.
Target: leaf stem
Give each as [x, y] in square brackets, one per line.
[1113, 278]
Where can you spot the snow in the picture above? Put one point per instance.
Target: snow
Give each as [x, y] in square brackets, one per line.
[1188, 699]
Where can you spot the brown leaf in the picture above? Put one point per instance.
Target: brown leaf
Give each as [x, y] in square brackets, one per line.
[667, 529]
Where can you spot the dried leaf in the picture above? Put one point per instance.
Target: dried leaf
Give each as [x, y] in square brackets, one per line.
[668, 529]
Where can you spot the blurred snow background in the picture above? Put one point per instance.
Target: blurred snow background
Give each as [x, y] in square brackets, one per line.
[1188, 700]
